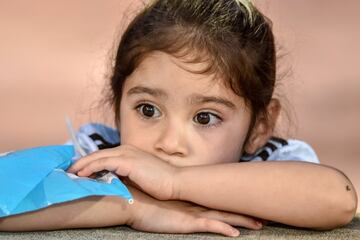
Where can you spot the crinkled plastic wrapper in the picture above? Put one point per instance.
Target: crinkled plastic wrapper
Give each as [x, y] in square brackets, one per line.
[36, 178]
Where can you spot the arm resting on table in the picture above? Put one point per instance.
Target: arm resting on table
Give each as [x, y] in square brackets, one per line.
[291, 192]
[84, 213]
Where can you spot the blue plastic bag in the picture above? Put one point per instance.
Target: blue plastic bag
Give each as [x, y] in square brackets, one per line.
[36, 178]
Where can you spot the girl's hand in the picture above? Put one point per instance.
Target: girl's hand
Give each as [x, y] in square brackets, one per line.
[144, 170]
[151, 215]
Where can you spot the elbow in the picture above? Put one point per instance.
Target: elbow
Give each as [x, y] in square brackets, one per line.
[341, 217]
[346, 214]
[350, 201]
[343, 206]
[349, 207]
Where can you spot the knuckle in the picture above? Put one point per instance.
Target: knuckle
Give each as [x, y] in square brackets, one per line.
[98, 163]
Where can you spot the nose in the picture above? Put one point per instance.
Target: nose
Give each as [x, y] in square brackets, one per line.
[172, 141]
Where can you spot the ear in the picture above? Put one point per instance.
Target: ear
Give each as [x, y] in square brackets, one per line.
[263, 129]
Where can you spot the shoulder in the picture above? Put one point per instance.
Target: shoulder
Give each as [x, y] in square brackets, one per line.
[278, 149]
[97, 136]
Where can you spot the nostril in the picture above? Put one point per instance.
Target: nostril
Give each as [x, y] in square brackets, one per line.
[177, 154]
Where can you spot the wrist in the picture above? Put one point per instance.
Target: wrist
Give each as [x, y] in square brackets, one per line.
[178, 185]
[135, 210]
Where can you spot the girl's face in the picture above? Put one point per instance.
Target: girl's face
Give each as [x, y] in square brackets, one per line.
[183, 118]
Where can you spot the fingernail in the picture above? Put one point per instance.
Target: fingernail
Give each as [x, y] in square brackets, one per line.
[258, 223]
[235, 233]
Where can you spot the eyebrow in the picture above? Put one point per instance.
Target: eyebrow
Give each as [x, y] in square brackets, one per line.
[193, 99]
[200, 99]
[151, 91]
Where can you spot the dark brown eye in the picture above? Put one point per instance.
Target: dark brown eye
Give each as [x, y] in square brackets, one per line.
[207, 119]
[148, 110]
[203, 118]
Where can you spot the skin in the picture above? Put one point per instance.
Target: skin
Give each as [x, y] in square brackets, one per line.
[148, 213]
[174, 133]
[172, 157]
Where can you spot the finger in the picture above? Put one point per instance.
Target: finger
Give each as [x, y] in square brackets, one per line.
[112, 164]
[233, 219]
[215, 226]
[80, 163]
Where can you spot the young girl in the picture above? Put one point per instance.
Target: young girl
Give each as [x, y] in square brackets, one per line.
[192, 94]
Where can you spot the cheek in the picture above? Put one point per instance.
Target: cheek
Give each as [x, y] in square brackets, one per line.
[223, 146]
[224, 149]
[132, 131]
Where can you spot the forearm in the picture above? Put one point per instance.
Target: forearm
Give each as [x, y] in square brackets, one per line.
[83, 213]
[295, 193]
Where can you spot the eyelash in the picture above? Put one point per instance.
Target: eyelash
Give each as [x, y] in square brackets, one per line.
[138, 106]
[210, 125]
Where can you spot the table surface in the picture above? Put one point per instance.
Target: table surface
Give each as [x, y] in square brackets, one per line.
[272, 231]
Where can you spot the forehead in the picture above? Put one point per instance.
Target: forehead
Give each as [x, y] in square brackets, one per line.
[175, 76]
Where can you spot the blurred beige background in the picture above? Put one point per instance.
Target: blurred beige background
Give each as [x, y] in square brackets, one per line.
[54, 58]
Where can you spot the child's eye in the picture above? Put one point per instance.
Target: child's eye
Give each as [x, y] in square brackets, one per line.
[207, 118]
[148, 110]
